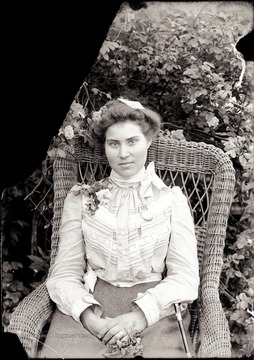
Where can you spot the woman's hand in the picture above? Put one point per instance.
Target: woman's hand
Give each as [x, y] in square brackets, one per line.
[124, 325]
[96, 325]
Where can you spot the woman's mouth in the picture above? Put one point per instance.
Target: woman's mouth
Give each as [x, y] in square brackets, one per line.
[125, 164]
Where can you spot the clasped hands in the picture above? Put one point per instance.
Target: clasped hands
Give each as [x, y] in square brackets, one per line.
[109, 330]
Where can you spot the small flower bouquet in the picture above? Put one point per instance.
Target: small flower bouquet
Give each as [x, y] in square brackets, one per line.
[94, 195]
[121, 349]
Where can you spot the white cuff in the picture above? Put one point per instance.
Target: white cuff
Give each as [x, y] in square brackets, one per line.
[149, 307]
[80, 305]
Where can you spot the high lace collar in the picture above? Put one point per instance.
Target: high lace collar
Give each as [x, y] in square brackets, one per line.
[125, 181]
[145, 177]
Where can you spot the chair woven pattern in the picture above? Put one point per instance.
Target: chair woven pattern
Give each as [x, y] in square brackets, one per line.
[30, 316]
[207, 177]
[64, 177]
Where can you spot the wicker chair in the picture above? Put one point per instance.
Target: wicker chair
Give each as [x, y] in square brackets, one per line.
[207, 177]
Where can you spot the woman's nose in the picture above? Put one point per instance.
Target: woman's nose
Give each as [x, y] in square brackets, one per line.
[124, 152]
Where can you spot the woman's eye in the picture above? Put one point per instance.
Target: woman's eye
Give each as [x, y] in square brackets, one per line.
[113, 143]
[132, 141]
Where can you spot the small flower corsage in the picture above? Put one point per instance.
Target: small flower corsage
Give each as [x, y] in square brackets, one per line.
[94, 195]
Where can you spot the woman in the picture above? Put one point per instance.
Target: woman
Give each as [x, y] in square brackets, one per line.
[126, 254]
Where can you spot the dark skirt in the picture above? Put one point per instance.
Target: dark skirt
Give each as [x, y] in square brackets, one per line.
[68, 339]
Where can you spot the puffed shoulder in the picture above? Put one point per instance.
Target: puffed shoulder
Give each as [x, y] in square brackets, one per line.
[177, 194]
[76, 188]
[176, 190]
[73, 195]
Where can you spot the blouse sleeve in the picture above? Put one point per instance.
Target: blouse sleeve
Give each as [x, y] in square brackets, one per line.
[66, 284]
[182, 280]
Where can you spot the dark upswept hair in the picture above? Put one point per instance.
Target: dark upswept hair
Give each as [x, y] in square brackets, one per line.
[116, 111]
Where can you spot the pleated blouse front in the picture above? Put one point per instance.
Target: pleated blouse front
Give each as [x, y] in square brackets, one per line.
[123, 247]
[142, 228]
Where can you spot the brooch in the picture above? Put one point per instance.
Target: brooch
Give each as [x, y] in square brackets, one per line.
[146, 214]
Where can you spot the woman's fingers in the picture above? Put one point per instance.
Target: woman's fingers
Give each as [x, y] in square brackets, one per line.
[106, 329]
[120, 336]
[112, 335]
[125, 340]
[113, 331]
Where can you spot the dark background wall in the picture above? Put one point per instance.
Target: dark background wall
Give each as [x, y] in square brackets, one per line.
[46, 54]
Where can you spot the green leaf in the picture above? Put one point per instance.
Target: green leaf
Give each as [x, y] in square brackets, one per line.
[192, 73]
[52, 152]
[251, 282]
[61, 153]
[238, 274]
[36, 259]
[16, 265]
[7, 277]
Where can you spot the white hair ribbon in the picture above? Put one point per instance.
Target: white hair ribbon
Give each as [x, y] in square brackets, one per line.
[133, 104]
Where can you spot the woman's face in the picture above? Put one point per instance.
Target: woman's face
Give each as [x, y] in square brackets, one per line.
[126, 148]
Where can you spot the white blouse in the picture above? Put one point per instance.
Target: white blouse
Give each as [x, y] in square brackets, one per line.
[143, 227]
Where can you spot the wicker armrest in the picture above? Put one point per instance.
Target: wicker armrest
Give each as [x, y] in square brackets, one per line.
[29, 317]
[214, 333]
